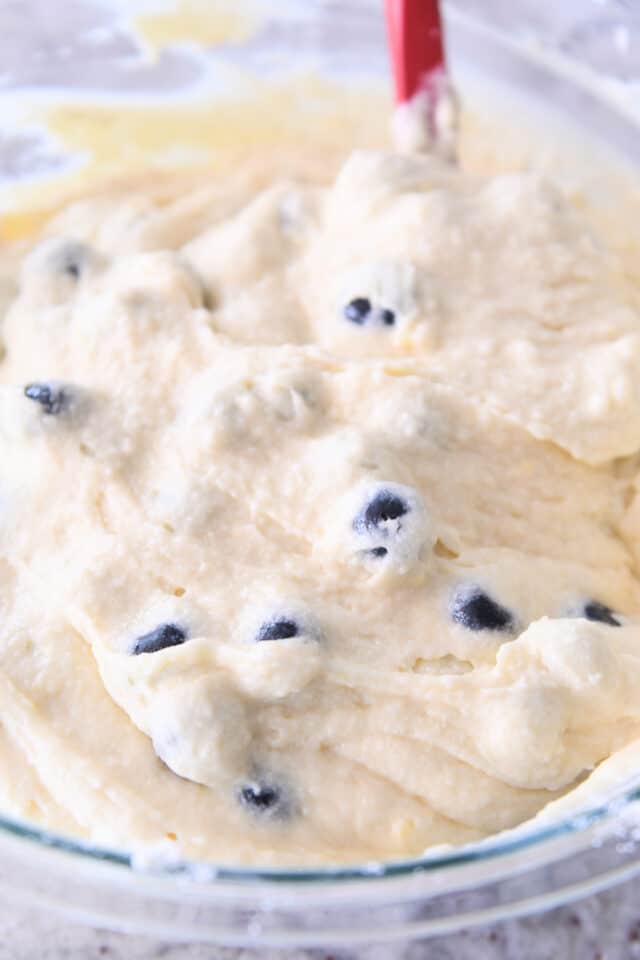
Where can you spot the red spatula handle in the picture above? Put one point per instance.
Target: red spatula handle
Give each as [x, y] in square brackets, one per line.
[416, 45]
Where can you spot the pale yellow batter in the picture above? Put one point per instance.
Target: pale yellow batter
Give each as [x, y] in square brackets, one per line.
[317, 513]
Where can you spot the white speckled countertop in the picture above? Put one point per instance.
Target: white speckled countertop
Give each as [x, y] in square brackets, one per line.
[605, 927]
[602, 927]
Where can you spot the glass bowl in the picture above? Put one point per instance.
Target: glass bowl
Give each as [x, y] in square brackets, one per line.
[532, 868]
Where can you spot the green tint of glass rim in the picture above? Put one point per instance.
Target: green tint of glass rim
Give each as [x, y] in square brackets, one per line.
[203, 872]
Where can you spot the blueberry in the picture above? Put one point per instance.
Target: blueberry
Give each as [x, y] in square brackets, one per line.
[281, 628]
[71, 259]
[362, 312]
[392, 528]
[166, 635]
[600, 612]
[378, 552]
[384, 507]
[358, 310]
[264, 798]
[476, 610]
[53, 399]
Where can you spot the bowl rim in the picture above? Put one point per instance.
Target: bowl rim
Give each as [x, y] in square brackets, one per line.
[500, 846]
[159, 861]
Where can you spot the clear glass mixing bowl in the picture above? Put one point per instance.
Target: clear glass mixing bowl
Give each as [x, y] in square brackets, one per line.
[86, 56]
